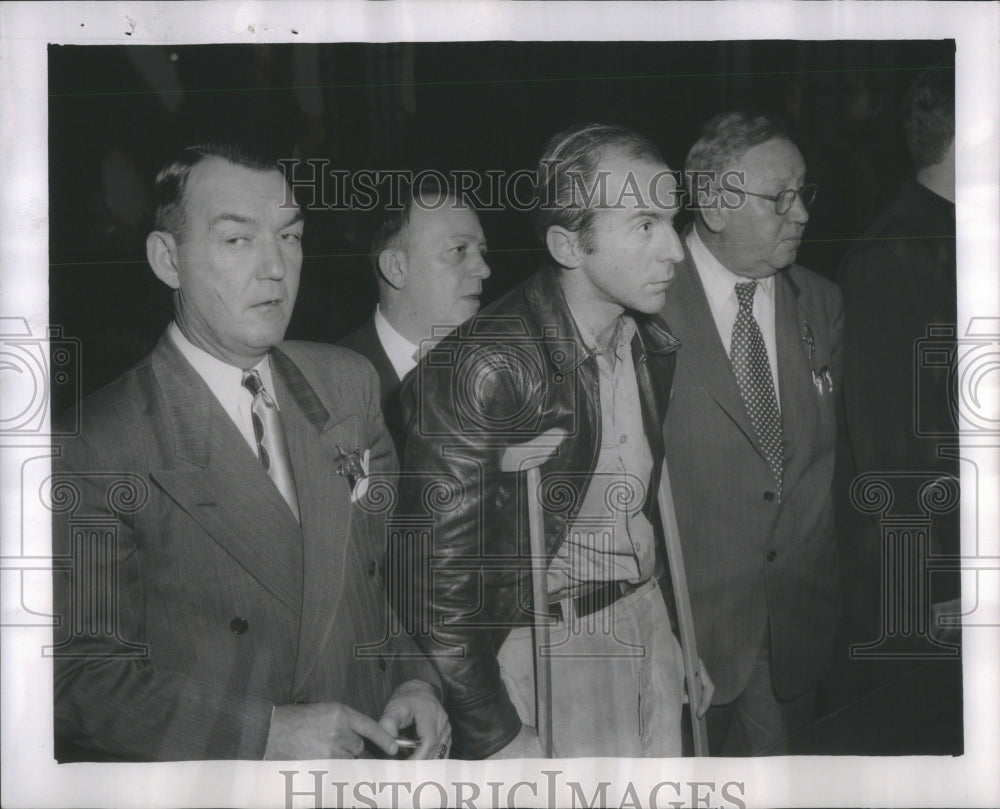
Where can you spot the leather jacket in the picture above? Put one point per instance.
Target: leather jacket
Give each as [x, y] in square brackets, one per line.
[459, 554]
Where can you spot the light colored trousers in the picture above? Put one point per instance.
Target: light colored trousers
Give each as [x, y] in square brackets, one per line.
[617, 679]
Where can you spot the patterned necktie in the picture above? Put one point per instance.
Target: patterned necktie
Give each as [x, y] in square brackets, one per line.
[271, 439]
[748, 355]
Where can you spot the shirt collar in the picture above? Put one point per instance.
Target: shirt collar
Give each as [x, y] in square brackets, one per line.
[719, 282]
[223, 379]
[400, 351]
[625, 330]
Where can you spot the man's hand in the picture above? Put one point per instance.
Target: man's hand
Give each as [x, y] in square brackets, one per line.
[707, 690]
[415, 703]
[323, 730]
[524, 745]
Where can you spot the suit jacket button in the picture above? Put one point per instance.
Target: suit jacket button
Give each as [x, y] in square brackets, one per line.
[771, 556]
[381, 664]
[239, 626]
[372, 567]
[769, 496]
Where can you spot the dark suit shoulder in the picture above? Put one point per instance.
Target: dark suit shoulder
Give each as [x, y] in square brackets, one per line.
[360, 340]
[366, 342]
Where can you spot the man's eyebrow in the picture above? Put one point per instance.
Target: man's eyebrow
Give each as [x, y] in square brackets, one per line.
[655, 211]
[239, 219]
[242, 219]
[296, 217]
[464, 237]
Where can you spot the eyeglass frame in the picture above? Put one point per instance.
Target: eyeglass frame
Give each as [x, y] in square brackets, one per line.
[795, 192]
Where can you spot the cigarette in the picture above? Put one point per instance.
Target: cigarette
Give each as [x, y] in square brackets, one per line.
[408, 744]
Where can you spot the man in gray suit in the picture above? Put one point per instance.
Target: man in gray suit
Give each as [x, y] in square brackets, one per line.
[750, 434]
[239, 611]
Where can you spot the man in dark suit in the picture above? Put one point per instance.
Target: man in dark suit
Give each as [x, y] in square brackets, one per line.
[750, 434]
[899, 282]
[230, 605]
[429, 256]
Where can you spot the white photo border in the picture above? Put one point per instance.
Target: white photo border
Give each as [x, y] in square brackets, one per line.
[31, 777]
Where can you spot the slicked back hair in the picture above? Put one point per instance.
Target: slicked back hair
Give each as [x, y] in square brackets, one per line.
[170, 212]
[929, 116]
[569, 164]
[724, 139]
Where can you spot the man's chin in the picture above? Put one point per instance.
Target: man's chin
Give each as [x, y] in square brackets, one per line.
[787, 251]
[651, 303]
[267, 338]
[465, 309]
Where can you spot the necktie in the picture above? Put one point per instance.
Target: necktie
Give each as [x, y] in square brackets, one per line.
[271, 439]
[748, 355]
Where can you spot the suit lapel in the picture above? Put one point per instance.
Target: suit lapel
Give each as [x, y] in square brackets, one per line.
[219, 482]
[313, 434]
[794, 370]
[689, 317]
[383, 365]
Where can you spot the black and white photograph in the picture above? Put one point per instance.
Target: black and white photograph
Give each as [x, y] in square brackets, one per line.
[500, 404]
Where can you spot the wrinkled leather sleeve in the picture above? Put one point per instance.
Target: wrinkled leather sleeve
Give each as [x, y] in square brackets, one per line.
[462, 406]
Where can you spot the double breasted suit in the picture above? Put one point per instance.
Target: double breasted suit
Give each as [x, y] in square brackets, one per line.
[225, 605]
[756, 560]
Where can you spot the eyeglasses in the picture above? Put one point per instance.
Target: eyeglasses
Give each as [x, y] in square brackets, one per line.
[784, 201]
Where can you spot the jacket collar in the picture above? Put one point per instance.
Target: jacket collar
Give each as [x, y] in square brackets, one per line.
[189, 401]
[548, 307]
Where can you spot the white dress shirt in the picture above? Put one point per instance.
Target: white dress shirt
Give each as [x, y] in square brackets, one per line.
[226, 382]
[720, 289]
[401, 352]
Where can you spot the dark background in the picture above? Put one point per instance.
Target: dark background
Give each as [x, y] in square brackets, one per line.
[117, 113]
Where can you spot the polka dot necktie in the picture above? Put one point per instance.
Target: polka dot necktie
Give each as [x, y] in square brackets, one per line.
[271, 439]
[748, 355]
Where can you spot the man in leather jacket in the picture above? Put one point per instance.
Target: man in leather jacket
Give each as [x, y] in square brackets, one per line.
[578, 346]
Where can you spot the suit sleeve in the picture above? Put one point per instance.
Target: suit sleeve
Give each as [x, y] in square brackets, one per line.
[113, 701]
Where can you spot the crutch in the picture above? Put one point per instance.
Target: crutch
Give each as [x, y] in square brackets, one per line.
[685, 619]
[527, 457]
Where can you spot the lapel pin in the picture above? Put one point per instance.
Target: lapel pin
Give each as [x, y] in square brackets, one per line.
[810, 341]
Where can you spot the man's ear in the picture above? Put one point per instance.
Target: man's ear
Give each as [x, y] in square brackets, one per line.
[564, 246]
[392, 268]
[714, 214]
[161, 252]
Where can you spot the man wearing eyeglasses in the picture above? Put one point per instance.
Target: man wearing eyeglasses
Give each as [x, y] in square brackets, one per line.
[750, 434]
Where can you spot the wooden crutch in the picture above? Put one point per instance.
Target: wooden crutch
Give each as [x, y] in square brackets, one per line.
[685, 619]
[527, 457]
